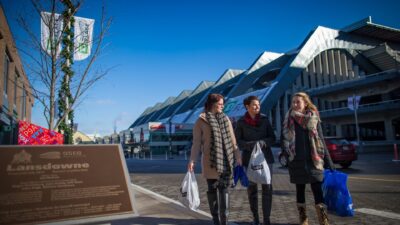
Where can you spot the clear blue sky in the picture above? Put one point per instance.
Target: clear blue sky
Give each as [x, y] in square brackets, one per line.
[160, 48]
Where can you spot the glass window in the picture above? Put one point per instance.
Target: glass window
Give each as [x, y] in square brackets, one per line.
[23, 102]
[265, 80]
[15, 87]
[5, 81]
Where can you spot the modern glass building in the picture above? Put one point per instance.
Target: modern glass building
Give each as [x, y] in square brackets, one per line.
[334, 66]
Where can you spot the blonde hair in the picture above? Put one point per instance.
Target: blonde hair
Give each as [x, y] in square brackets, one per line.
[309, 105]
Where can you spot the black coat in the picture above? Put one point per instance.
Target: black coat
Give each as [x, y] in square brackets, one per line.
[247, 136]
[301, 168]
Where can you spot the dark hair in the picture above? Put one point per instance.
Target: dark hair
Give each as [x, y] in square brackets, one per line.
[247, 101]
[211, 100]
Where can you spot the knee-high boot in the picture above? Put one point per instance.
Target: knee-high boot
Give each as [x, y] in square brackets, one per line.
[223, 206]
[266, 202]
[322, 214]
[253, 200]
[301, 207]
[213, 203]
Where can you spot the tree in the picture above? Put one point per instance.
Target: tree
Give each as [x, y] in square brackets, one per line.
[46, 68]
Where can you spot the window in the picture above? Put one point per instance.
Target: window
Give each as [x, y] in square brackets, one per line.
[5, 81]
[15, 89]
[23, 102]
[265, 80]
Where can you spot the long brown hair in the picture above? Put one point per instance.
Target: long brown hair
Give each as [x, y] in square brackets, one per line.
[211, 100]
[309, 105]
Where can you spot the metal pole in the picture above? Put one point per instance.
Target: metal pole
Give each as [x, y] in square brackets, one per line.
[396, 154]
[355, 105]
[170, 138]
[185, 154]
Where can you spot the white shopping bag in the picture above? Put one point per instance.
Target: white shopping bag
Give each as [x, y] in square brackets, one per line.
[258, 170]
[190, 192]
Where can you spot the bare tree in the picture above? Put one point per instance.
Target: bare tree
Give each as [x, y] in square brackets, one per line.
[44, 65]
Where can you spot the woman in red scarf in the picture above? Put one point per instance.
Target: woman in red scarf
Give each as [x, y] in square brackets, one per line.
[251, 129]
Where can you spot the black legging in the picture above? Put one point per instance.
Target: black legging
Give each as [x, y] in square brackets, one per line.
[316, 190]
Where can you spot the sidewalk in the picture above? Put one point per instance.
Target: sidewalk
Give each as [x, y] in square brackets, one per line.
[155, 209]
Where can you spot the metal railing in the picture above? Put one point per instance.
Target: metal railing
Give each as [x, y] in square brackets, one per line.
[362, 106]
[359, 78]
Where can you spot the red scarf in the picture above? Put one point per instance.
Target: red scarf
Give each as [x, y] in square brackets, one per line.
[252, 122]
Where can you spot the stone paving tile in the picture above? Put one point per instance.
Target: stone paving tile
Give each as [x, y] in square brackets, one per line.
[283, 207]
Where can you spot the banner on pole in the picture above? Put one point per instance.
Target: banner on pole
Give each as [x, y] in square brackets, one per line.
[353, 102]
[83, 37]
[49, 37]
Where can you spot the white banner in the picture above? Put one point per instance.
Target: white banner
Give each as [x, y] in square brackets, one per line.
[57, 27]
[353, 102]
[83, 37]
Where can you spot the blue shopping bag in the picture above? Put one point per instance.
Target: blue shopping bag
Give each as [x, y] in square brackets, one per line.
[336, 194]
[240, 174]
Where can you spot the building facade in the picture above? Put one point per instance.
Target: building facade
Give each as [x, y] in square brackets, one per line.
[16, 99]
[334, 66]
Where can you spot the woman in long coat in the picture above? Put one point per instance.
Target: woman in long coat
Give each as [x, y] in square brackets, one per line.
[251, 129]
[303, 141]
[214, 137]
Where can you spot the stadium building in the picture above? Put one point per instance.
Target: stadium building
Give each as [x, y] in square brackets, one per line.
[343, 70]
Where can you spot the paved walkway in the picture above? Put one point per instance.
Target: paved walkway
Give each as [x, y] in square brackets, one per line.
[157, 193]
[155, 209]
[283, 209]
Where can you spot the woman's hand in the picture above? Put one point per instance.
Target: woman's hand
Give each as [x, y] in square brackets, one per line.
[191, 166]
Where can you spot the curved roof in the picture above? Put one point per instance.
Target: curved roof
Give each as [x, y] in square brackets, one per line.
[320, 40]
[367, 28]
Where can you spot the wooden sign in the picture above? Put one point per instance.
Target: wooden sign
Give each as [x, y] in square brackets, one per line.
[55, 184]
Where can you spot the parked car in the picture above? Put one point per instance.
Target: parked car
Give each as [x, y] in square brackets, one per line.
[341, 151]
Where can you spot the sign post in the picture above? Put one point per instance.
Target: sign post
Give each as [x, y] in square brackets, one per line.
[61, 184]
[353, 102]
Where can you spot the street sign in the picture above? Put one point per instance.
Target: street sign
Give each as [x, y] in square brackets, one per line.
[353, 102]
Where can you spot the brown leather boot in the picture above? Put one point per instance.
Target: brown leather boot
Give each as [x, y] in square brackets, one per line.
[302, 213]
[322, 214]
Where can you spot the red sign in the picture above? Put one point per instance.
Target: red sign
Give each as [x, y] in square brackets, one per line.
[30, 134]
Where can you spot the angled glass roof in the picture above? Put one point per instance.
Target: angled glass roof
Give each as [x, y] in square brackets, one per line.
[222, 88]
[200, 90]
[183, 95]
[252, 81]
[137, 121]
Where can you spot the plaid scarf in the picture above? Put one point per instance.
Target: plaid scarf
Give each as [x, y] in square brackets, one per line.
[308, 121]
[252, 122]
[221, 152]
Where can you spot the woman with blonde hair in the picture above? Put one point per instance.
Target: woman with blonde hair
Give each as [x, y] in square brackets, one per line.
[303, 141]
[214, 137]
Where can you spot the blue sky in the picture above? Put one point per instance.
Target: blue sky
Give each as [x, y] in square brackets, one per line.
[159, 48]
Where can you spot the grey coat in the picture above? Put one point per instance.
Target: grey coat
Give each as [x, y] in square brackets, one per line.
[247, 136]
[301, 168]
